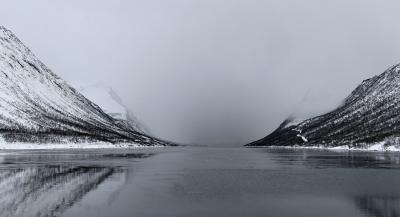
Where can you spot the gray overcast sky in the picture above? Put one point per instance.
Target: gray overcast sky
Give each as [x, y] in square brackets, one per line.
[213, 71]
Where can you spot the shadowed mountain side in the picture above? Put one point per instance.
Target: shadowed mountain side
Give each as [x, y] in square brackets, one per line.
[369, 115]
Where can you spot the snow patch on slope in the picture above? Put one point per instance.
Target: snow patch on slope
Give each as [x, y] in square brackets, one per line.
[302, 138]
[293, 122]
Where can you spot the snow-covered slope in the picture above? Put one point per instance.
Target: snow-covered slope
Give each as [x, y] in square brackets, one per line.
[38, 106]
[369, 115]
[111, 103]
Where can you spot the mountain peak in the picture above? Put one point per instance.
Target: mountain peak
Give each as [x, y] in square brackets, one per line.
[113, 105]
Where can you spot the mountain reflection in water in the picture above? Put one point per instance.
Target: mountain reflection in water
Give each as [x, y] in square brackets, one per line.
[379, 206]
[199, 181]
[47, 184]
[381, 196]
[320, 159]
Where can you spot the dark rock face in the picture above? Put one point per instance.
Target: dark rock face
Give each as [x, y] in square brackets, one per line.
[370, 114]
[36, 105]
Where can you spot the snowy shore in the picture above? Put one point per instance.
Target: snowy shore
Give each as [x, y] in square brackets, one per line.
[377, 147]
[32, 146]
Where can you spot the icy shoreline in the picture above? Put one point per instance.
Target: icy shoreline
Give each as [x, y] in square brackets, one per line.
[378, 147]
[32, 146]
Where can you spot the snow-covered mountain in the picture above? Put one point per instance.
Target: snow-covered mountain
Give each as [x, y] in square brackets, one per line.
[38, 106]
[113, 105]
[369, 115]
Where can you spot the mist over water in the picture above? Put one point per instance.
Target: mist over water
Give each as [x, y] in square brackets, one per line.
[213, 71]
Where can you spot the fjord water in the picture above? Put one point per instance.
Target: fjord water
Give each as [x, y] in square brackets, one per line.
[199, 181]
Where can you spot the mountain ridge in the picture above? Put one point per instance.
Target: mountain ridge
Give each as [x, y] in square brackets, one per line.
[111, 103]
[368, 115]
[36, 105]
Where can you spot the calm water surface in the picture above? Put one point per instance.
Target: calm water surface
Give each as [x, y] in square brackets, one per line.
[198, 182]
